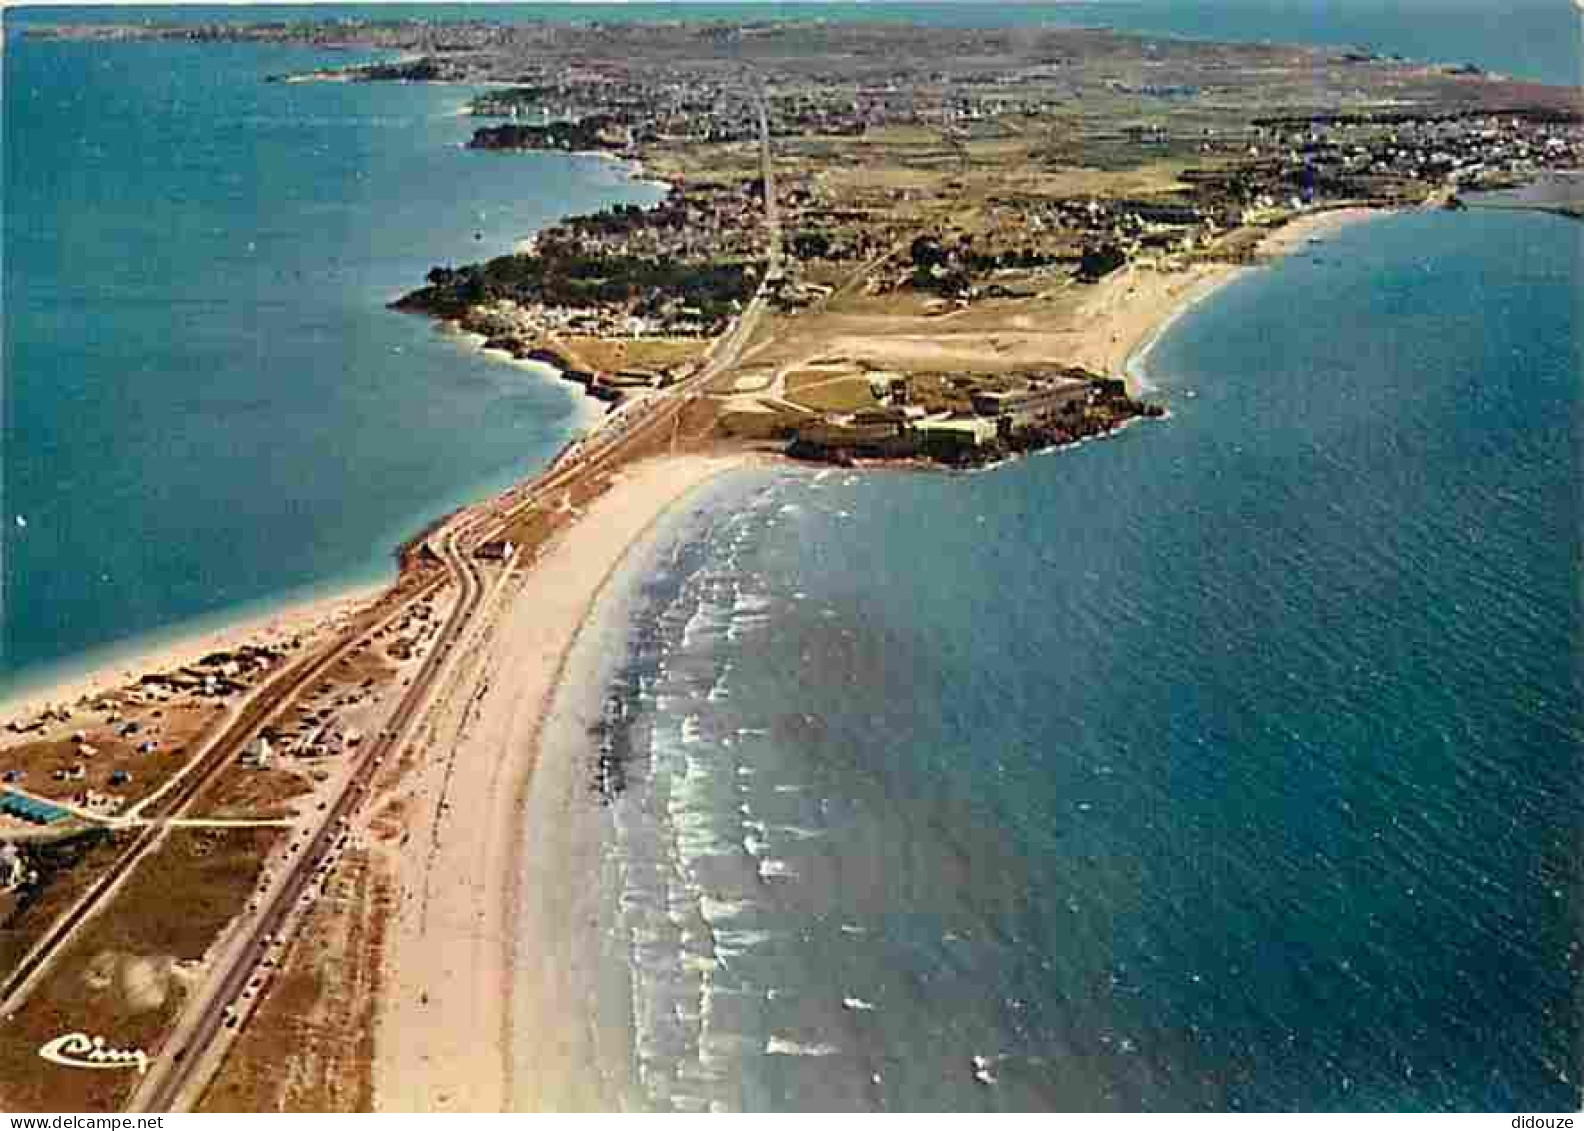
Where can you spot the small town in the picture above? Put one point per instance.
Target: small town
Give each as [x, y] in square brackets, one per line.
[945, 244]
[354, 830]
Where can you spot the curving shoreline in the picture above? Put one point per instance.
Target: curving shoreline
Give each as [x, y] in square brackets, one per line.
[117, 665]
[465, 1021]
[1130, 313]
[471, 978]
[1175, 295]
[489, 975]
[517, 954]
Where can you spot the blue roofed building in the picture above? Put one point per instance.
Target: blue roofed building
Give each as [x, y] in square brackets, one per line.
[31, 809]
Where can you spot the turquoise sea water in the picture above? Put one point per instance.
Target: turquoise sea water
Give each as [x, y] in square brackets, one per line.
[1235, 762]
[207, 409]
[207, 404]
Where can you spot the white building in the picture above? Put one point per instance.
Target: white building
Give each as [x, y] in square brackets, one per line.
[259, 754]
[12, 868]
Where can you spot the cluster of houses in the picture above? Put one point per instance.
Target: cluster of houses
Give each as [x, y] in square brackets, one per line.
[508, 324]
[1251, 174]
[513, 327]
[668, 103]
[139, 736]
[1292, 164]
[685, 267]
[40, 722]
[1359, 154]
[659, 103]
[85, 751]
[700, 220]
[317, 735]
[842, 109]
[216, 676]
[1280, 166]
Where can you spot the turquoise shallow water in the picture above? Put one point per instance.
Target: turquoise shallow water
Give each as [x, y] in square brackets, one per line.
[1231, 763]
[207, 408]
[207, 404]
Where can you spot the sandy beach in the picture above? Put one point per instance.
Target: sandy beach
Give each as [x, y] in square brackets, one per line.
[1130, 310]
[1105, 327]
[483, 989]
[1316, 226]
[475, 1011]
[1133, 312]
[307, 621]
[486, 1002]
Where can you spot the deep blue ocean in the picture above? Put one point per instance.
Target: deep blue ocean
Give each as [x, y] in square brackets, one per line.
[1235, 762]
[1230, 763]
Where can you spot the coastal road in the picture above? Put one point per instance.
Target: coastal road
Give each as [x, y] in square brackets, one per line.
[266, 705]
[772, 216]
[194, 1046]
[197, 1045]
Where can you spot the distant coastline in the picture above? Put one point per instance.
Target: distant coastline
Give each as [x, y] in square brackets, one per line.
[475, 939]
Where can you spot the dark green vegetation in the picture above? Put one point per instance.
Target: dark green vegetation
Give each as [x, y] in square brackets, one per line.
[561, 277]
[594, 132]
[51, 865]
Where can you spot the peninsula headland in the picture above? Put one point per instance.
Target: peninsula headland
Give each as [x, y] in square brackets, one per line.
[892, 245]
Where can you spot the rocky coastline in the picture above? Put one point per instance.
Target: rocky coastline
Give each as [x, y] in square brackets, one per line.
[970, 443]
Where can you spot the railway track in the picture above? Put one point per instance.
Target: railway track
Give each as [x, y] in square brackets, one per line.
[277, 696]
[161, 1088]
[265, 706]
[197, 1042]
[175, 1073]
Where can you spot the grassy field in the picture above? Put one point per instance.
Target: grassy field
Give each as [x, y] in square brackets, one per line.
[614, 354]
[89, 852]
[322, 1007]
[820, 391]
[124, 975]
[178, 727]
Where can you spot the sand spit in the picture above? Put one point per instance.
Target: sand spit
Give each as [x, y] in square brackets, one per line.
[450, 1035]
[480, 984]
[483, 1006]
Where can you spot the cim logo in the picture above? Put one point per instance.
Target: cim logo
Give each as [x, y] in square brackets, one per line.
[79, 1050]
